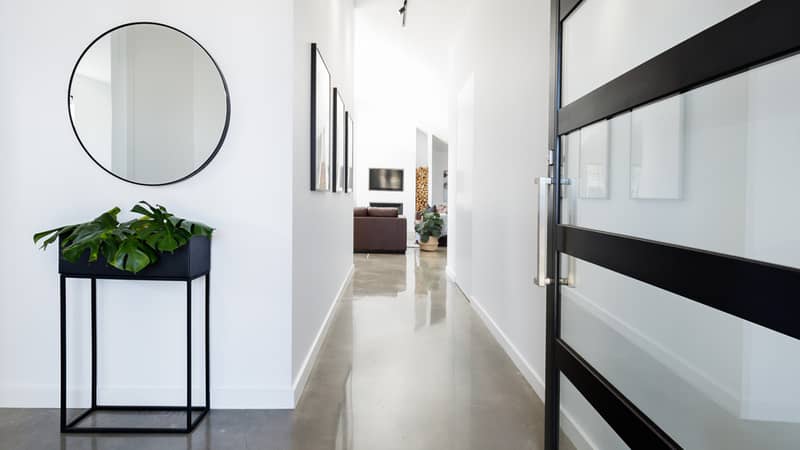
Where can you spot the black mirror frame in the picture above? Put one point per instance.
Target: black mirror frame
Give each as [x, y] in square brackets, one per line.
[224, 85]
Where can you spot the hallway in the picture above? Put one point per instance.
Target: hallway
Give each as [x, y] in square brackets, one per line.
[409, 365]
[406, 365]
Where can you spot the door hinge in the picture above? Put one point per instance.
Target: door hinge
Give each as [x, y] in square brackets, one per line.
[551, 157]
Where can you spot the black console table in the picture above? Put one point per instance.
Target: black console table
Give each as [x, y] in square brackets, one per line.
[185, 265]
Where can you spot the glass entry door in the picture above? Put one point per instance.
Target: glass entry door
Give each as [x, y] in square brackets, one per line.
[672, 225]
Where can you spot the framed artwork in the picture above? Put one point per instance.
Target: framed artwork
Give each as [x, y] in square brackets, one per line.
[593, 161]
[349, 138]
[339, 141]
[657, 142]
[321, 146]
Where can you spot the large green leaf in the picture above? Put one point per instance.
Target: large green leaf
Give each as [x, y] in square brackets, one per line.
[76, 239]
[157, 230]
[131, 256]
[91, 235]
[54, 234]
[129, 246]
[193, 228]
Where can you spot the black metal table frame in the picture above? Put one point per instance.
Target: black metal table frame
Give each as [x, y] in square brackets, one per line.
[72, 426]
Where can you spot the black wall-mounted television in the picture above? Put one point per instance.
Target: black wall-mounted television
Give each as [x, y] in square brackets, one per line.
[385, 179]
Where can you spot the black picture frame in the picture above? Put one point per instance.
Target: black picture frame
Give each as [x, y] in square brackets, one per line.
[225, 127]
[320, 136]
[349, 182]
[339, 142]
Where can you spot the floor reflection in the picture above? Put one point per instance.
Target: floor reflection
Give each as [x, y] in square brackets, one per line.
[414, 367]
[406, 365]
[386, 278]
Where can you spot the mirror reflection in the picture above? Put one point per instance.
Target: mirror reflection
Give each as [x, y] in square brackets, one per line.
[148, 104]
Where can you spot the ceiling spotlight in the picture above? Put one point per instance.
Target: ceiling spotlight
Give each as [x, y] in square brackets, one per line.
[403, 11]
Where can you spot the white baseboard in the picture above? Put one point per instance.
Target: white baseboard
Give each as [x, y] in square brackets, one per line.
[300, 381]
[225, 397]
[33, 396]
[575, 433]
[724, 397]
[252, 397]
[451, 275]
[531, 376]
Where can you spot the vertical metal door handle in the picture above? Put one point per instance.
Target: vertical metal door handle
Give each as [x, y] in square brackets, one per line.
[541, 239]
[541, 233]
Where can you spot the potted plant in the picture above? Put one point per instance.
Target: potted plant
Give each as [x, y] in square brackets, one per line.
[429, 229]
[106, 247]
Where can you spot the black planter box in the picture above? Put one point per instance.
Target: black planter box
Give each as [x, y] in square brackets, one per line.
[188, 262]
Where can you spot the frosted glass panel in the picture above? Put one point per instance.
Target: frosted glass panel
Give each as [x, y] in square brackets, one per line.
[603, 39]
[715, 168]
[594, 161]
[585, 427]
[657, 141]
[708, 379]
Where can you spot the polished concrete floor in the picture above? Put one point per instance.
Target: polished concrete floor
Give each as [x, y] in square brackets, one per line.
[406, 365]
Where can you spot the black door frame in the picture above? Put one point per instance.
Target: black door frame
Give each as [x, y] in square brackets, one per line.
[757, 35]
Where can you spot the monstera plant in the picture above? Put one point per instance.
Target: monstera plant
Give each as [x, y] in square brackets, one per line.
[130, 246]
[430, 229]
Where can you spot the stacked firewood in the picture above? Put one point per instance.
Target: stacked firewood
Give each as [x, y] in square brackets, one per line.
[422, 188]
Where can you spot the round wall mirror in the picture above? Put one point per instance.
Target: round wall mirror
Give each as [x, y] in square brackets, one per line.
[149, 104]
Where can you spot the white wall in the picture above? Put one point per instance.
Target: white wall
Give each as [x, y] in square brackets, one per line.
[438, 166]
[322, 222]
[493, 165]
[459, 259]
[246, 193]
[422, 148]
